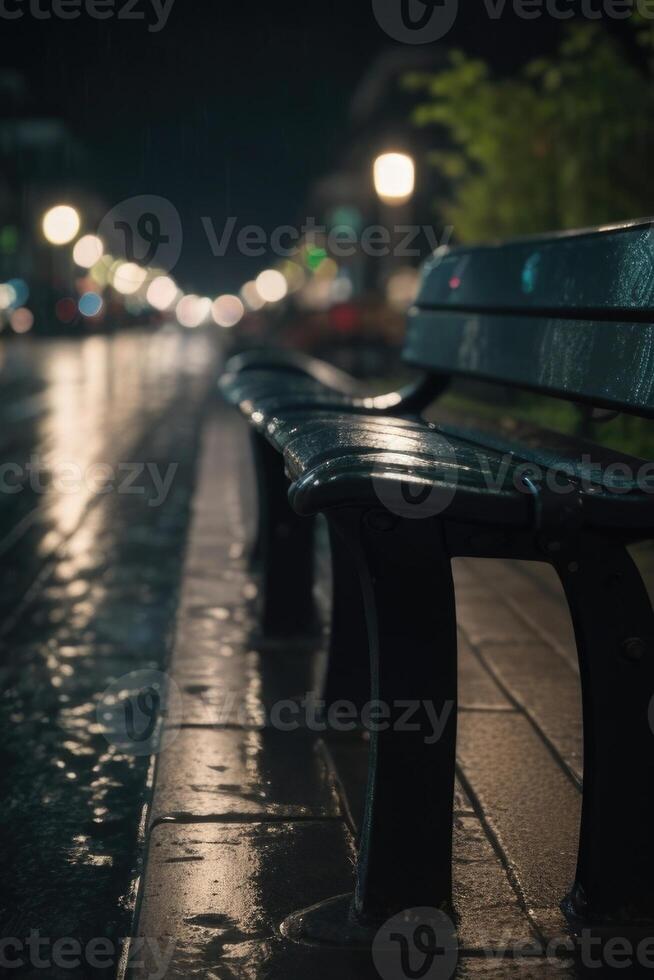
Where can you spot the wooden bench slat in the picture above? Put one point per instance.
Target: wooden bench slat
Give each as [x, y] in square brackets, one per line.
[598, 274]
[607, 364]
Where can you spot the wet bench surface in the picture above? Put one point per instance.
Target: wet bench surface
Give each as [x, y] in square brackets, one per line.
[249, 823]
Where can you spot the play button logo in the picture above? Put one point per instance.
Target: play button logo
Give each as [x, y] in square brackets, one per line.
[418, 944]
[416, 21]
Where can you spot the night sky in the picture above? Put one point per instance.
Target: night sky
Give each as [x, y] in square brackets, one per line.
[230, 109]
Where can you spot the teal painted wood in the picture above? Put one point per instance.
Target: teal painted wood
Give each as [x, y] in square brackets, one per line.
[607, 364]
[603, 271]
[571, 315]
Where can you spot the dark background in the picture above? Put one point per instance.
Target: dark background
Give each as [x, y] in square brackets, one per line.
[231, 109]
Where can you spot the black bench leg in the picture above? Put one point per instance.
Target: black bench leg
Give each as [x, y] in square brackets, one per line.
[614, 626]
[405, 853]
[348, 666]
[285, 549]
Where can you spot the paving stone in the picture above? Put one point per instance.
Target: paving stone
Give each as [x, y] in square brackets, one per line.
[222, 773]
[491, 968]
[226, 685]
[547, 688]
[220, 894]
[531, 806]
[465, 573]
[487, 909]
[486, 618]
[477, 688]
[533, 592]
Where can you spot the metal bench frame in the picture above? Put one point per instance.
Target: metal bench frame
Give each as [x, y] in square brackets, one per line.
[569, 315]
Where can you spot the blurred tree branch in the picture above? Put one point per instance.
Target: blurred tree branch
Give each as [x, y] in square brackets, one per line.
[566, 143]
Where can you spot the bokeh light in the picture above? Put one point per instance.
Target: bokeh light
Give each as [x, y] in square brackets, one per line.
[250, 296]
[7, 295]
[87, 251]
[90, 304]
[21, 291]
[294, 275]
[101, 270]
[162, 293]
[271, 286]
[395, 177]
[328, 269]
[61, 224]
[402, 288]
[227, 311]
[21, 320]
[192, 311]
[342, 288]
[128, 278]
[66, 309]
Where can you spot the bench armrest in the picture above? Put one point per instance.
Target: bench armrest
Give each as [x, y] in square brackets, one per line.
[412, 398]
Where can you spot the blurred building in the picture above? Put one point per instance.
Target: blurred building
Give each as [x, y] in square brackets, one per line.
[41, 163]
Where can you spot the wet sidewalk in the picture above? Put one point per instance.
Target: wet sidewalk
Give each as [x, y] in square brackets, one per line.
[98, 448]
[249, 823]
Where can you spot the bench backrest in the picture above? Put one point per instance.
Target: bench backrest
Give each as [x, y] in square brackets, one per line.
[570, 315]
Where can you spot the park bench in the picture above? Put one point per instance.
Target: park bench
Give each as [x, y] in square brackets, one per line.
[568, 315]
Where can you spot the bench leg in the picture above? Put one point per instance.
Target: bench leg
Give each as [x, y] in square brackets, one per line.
[405, 858]
[614, 626]
[348, 666]
[405, 852]
[285, 549]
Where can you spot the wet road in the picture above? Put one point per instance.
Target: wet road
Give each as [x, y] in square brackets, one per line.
[98, 447]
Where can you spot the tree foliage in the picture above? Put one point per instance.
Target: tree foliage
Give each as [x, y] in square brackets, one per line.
[566, 143]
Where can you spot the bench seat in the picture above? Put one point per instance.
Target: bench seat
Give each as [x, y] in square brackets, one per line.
[335, 458]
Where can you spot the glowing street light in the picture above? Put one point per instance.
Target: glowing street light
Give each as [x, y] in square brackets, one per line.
[88, 251]
[128, 278]
[8, 295]
[192, 311]
[61, 224]
[250, 296]
[227, 311]
[162, 293]
[271, 286]
[395, 178]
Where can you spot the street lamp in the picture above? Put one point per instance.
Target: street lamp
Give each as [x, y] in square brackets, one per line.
[395, 178]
